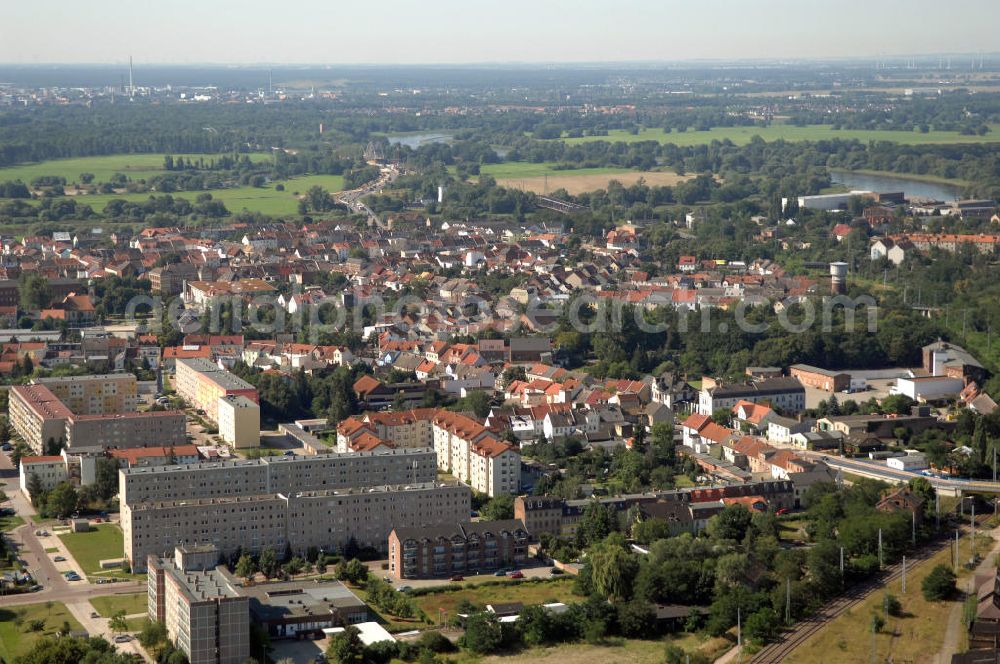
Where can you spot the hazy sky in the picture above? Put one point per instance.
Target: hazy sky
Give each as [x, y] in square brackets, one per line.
[454, 31]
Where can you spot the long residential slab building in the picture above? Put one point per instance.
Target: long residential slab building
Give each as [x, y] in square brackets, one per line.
[87, 412]
[320, 501]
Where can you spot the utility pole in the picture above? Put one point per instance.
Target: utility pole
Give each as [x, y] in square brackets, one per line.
[841, 568]
[937, 511]
[955, 556]
[788, 601]
[913, 528]
[994, 463]
[880, 548]
[904, 575]
[739, 634]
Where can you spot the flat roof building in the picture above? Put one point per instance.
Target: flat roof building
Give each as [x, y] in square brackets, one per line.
[328, 519]
[201, 383]
[239, 421]
[204, 614]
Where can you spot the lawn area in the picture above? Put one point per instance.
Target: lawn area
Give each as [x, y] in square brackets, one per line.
[790, 530]
[615, 651]
[916, 637]
[682, 481]
[9, 522]
[131, 604]
[528, 592]
[103, 542]
[15, 639]
[742, 135]
[135, 166]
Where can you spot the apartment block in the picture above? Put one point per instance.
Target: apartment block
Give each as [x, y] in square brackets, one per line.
[95, 395]
[43, 412]
[37, 415]
[465, 448]
[474, 455]
[204, 614]
[786, 394]
[239, 421]
[50, 471]
[201, 383]
[126, 430]
[285, 475]
[326, 519]
[461, 548]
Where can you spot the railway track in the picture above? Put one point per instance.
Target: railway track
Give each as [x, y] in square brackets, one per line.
[806, 628]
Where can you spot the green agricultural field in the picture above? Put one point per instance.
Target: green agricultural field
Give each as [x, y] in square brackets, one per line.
[266, 200]
[16, 638]
[742, 135]
[88, 549]
[131, 604]
[135, 166]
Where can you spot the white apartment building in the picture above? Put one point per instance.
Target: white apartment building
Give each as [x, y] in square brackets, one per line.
[239, 421]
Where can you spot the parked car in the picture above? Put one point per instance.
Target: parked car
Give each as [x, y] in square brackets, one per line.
[555, 571]
[59, 559]
[783, 510]
[458, 577]
[517, 574]
[95, 615]
[123, 638]
[7, 447]
[404, 589]
[500, 572]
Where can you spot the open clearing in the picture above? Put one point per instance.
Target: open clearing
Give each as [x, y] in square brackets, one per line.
[775, 132]
[15, 635]
[615, 651]
[916, 637]
[131, 604]
[543, 178]
[578, 184]
[103, 542]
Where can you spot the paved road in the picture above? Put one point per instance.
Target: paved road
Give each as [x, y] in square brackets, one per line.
[32, 551]
[879, 468]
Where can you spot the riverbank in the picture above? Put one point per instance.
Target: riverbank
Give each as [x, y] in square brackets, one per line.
[929, 179]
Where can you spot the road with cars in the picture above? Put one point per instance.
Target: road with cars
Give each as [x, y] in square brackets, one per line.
[30, 549]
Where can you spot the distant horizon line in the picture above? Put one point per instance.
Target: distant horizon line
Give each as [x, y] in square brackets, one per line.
[786, 60]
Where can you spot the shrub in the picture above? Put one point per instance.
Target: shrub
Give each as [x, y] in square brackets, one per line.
[939, 584]
[892, 605]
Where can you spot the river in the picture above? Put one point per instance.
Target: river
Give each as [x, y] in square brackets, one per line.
[416, 140]
[887, 183]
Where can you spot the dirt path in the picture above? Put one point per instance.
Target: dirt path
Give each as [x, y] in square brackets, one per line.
[953, 632]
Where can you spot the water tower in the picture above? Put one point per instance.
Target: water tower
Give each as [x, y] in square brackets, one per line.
[838, 278]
